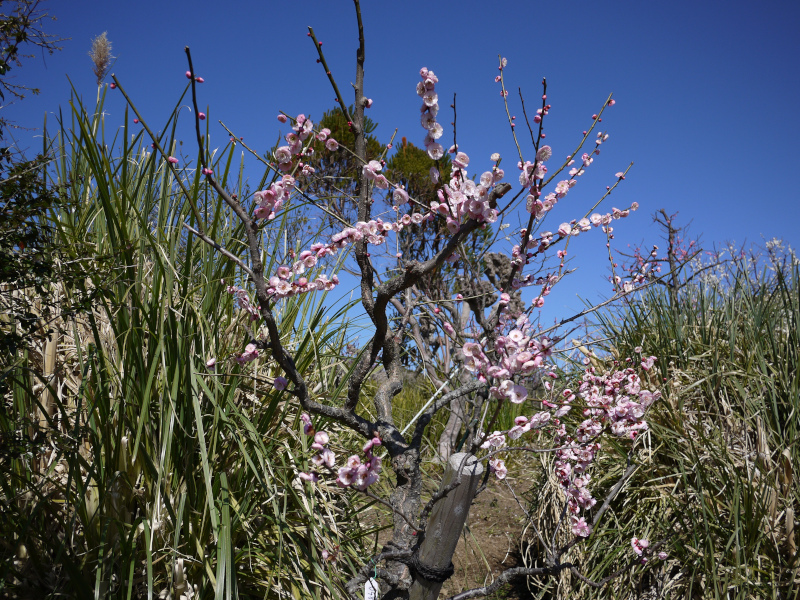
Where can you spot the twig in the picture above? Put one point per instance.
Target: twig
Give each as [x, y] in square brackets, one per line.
[164, 154]
[220, 249]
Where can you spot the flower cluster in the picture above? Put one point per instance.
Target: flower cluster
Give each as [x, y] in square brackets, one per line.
[522, 425]
[372, 172]
[531, 172]
[429, 109]
[284, 284]
[614, 400]
[361, 474]
[639, 545]
[271, 199]
[299, 144]
[545, 239]
[518, 353]
[357, 473]
[498, 467]
[324, 456]
[462, 198]
[287, 280]
[241, 300]
[249, 355]
[374, 231]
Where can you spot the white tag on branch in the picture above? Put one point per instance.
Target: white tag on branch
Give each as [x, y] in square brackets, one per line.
[371, 590]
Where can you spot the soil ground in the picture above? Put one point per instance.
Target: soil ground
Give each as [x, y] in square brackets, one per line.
[489, 544]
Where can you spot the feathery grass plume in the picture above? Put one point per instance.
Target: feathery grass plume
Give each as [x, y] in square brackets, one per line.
[101, 56]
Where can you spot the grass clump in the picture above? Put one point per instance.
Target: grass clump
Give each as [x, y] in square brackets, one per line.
[129, 468]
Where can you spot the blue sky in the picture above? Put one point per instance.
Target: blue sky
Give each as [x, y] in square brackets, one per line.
[708, 93]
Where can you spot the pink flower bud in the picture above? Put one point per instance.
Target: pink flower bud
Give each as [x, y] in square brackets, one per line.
[188, 74]
[113, 86]
[199, 80]
[136, 120]
[173, 160]
[201, 116]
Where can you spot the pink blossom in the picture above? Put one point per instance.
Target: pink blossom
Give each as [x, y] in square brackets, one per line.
[324, 457]
[430, 98]
[250, 354]
[400, 196]
[498, 467]
[211, 363]
[494, 440]
[280, 383]
[283, 154]
[435, 151]
[308, 427]
[580, 527]
[173, 160]
[647, 363]
[282, 118]
[544, 153]
[461, 160]
[639, 545]
[332, 145]
[345, 477]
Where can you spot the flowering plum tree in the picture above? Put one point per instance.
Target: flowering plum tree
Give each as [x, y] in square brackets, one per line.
[471, 331]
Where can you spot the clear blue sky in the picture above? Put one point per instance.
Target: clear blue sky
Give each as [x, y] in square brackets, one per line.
[708, 93]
